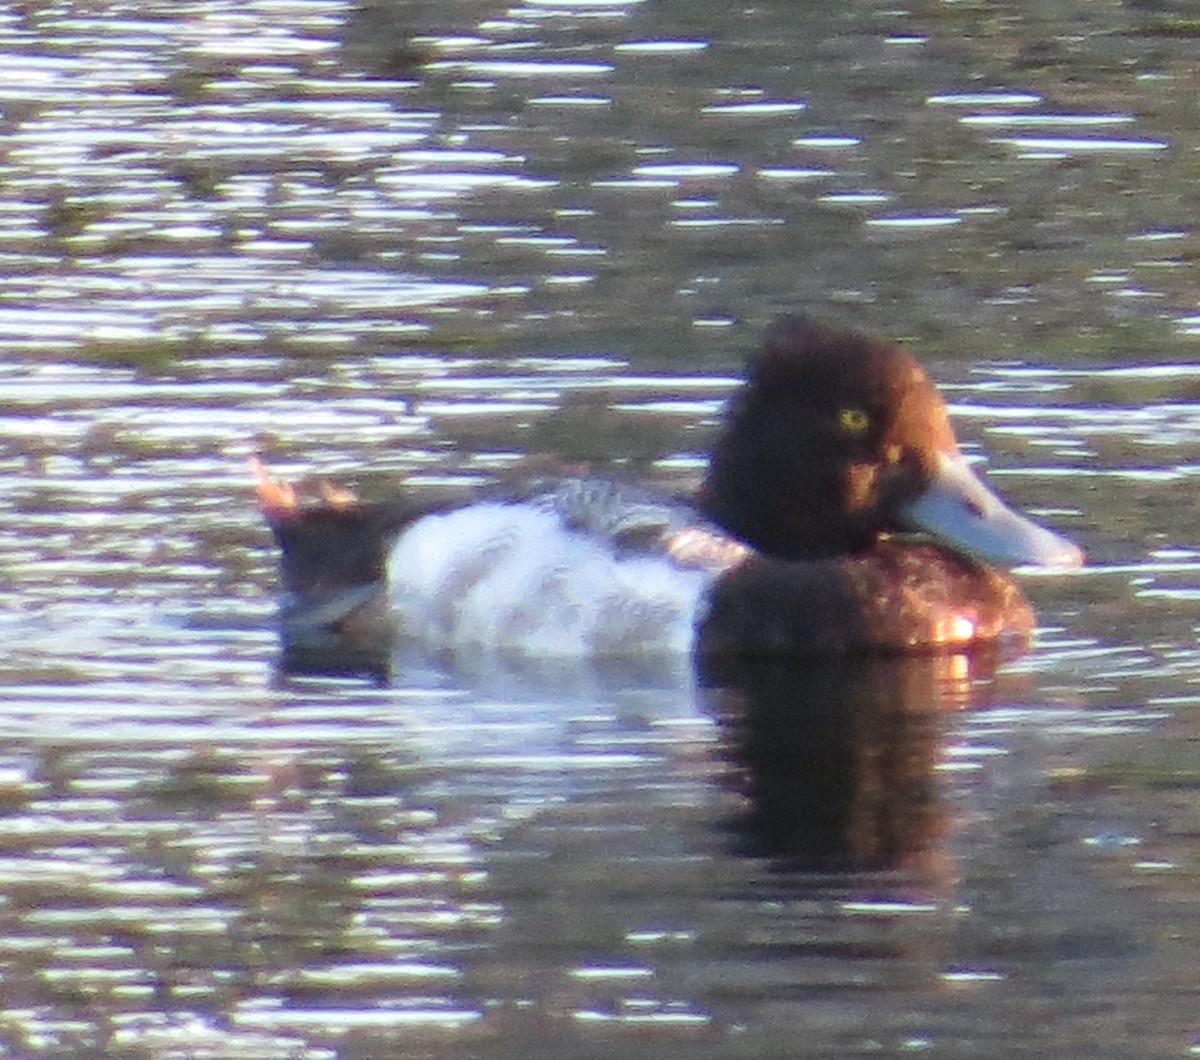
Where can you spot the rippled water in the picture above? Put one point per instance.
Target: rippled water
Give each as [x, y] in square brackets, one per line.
[431, 243]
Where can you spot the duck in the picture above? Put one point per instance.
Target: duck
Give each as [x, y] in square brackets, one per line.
[837, 516]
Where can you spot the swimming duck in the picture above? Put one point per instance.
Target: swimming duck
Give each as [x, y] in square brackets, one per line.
[837, 516]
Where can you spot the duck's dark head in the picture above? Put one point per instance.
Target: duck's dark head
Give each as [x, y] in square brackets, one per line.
[836, 439]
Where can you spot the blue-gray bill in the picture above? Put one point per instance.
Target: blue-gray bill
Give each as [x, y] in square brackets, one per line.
[961, 512]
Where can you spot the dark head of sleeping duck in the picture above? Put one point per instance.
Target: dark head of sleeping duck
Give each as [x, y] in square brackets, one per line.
[837, 517]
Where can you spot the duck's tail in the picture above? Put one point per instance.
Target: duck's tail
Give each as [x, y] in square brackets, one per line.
[331, 542]
[334, 551]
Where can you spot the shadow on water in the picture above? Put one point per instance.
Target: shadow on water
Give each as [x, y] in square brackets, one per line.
[832, 760]
[836, 757]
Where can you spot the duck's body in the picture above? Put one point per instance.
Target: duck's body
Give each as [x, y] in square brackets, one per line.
[521, 577]
[799, 542]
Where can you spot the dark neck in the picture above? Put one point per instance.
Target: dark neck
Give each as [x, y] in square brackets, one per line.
[767, 508]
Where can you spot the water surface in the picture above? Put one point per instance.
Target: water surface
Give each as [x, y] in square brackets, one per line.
[429, 244]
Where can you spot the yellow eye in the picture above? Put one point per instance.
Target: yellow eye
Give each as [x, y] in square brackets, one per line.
[853, 421]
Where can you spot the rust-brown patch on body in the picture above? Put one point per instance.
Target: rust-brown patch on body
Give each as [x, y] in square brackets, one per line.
[898, 597]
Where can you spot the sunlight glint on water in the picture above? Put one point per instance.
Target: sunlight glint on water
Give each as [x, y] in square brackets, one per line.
[427, 252]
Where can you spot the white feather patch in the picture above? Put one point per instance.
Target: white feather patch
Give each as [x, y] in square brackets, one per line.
[509, 576]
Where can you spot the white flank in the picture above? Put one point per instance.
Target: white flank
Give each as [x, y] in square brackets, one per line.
[508, 576]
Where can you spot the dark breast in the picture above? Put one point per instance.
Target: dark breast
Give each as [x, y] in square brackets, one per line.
[896, 597]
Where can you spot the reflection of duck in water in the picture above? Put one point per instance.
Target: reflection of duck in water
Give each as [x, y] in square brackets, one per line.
[835, 758]
[837, 516]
